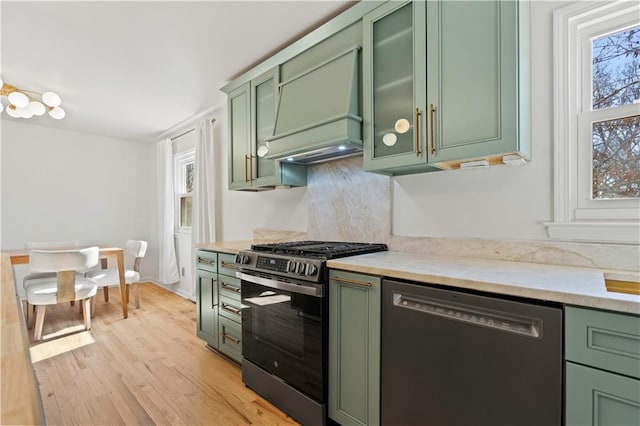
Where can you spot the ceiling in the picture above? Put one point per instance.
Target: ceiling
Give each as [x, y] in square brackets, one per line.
[138, 70]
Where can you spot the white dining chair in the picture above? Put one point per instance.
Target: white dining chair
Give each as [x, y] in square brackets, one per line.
[66, 286]
[46, 245]
[134, 251]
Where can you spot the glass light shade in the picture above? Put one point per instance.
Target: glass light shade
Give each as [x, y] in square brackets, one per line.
[262, 150]
[389, 139]
[57, 113]
[1, 83]
[36, 108]
[51, 99]
[1, 107]
[18, 99]
[25, 112]
[402, 125]
[13, 112]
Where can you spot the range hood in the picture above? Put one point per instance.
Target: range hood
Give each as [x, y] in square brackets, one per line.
[317, 117]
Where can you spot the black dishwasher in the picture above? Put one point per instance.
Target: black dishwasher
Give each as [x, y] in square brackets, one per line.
[462, 358]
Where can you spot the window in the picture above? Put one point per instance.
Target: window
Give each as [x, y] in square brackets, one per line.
[597, 122]
[184, 175]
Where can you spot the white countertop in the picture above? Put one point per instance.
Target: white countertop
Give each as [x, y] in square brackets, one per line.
[565, 284]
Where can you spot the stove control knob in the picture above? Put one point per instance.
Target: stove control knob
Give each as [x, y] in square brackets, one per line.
[291, 266]
[300, 269]
[311, 269]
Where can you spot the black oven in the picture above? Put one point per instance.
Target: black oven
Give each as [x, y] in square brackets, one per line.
[284, 322]
[284, 330]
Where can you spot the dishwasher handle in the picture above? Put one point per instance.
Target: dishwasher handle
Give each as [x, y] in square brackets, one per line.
[473, 315]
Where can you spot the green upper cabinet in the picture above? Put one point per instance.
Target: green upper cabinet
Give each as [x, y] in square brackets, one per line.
[394, 88]
[443, 84]
[251, 109]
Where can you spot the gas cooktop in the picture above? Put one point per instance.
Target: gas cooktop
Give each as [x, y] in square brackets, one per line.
[326, 249]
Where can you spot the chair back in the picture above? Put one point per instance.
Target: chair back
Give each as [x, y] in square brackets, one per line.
[52, 244]
[64, 263]
[134, 251]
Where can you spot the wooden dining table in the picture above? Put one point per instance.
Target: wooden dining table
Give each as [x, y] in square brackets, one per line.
[21, 257]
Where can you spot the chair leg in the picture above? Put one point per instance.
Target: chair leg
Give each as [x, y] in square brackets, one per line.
[87, 312]
[105, 290]
[40, 311]
[127, 294]
[135, 295]
[93, 306]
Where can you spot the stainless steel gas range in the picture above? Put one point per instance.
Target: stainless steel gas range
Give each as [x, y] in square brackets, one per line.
[285, 324]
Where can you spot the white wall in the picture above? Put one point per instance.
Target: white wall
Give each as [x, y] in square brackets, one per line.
[62, 185]
[497, 203]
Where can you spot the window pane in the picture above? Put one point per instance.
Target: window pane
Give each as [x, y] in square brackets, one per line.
[616, 158]
[616, 69]
[185, 212]
[188, 178]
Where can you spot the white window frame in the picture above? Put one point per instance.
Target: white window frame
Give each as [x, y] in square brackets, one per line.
[577, 217]
[181, 160]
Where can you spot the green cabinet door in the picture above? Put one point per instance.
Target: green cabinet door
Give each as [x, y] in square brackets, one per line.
[251, 109]
[239, 136]
[354, 348]
[596, 397]
[444, 82]
[472, 79]
[207, 306]
[394, 88]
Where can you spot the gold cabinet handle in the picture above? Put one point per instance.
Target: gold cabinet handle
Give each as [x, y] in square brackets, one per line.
[347, 281]
[228, 308]
[246, 178]
[432, 111]
[226, 286]
[229, 265]
[206, 261]
[251, 168]
[233, 339]
[418, 152]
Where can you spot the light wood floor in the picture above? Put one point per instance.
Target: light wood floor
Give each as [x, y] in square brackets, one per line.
[148, 369]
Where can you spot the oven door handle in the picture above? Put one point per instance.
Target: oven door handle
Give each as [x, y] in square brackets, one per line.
[281, 285]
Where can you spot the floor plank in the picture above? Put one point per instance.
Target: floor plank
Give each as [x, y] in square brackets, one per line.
[148, 369]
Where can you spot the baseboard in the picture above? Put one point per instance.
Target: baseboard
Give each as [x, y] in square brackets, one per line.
[168, 287]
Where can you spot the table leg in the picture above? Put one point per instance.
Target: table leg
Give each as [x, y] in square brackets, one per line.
[123, 284]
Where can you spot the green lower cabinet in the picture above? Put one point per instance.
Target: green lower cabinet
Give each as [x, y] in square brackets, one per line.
[207, 307]
[230, 338]
[602, 353]
[354, 348]
[596, 397]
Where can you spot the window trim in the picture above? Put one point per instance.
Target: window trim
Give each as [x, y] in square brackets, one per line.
[575, 220]
[180, 161]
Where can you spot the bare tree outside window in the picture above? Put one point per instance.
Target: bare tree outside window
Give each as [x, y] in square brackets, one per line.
[616, 143]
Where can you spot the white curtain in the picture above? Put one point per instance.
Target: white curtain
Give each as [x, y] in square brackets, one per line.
[203, 229]
[168, 264]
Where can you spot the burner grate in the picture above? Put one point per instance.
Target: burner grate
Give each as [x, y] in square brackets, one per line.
[326, 249]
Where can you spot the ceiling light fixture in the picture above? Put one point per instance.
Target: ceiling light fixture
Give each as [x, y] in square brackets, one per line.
[24, 103]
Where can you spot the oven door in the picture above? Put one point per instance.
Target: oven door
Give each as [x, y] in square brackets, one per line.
[284, 330]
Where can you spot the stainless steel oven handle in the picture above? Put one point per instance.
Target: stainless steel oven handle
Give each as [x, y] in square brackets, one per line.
[293, 288]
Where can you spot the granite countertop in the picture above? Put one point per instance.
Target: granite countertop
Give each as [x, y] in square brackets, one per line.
[230, 247]
[565, 284]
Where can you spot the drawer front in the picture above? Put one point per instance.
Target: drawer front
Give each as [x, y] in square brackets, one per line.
[227, 264]
[600, 398]
[230, 338]
[229, 287]
[230, 308]
[207, 260]
[607, 340]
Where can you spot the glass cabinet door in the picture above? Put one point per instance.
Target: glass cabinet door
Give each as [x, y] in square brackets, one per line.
[263, 93]
[394, 92]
